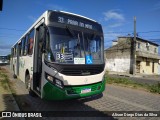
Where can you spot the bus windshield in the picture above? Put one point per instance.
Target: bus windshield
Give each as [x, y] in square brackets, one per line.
[68, 46]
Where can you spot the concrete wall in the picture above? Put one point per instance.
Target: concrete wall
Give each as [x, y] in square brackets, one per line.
[159, 68]
[118, 65]
[144, 45]
[150, 57]
[118, 57]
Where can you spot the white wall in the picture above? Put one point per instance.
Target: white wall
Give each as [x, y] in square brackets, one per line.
[118, 65]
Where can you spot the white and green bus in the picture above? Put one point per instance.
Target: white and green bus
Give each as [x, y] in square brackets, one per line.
[61, 56]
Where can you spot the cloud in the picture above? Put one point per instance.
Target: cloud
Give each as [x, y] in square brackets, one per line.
[5, 47]
[115, 25]
[113, 15]
[32, 18]
[114, 18]
[111, 35]
[5, 52]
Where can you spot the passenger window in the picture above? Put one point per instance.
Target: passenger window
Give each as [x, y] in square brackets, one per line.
[15, 50]
[22, 46]
[31, 41]
[26, 46]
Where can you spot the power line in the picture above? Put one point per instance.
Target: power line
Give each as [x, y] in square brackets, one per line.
[118, 32]
[149, 32]
[105, 33]
[132, 32]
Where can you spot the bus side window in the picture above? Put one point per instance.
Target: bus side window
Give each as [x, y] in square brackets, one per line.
[26, 46]
[15, 50]
[31, 41]
[12, 52]
[24, 42]
[20, 48]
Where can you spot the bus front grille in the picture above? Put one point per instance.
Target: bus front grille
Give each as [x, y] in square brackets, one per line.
[82, 71]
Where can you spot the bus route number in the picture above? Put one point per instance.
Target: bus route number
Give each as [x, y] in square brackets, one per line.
[59, 56]
[61, 19]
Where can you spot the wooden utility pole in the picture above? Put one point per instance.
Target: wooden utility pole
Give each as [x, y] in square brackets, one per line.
[134, 48]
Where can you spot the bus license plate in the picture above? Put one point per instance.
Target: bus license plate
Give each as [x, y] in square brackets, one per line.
[86, 90]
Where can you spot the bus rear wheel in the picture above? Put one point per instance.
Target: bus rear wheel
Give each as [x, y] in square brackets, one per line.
[27, 84]
[14, 75]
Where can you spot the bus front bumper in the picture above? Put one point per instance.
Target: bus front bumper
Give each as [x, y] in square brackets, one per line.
[52, 92]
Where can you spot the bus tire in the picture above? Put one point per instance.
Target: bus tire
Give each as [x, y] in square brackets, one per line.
[27, 84]
[14, 75]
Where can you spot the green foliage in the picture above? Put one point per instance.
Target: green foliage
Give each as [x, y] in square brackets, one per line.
[4, 80]
[155, 88]
[8, 56]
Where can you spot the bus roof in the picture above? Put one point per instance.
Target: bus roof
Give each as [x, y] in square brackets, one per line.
[43, 16]
[78, 15]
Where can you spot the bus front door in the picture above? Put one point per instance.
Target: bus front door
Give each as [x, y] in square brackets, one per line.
[37, 69]
[18, 62]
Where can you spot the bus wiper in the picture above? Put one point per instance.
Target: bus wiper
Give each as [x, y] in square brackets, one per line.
[71, 33]
[93, 36]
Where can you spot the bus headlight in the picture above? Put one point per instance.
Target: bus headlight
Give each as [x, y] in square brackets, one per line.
[54, 80]
[50, 78]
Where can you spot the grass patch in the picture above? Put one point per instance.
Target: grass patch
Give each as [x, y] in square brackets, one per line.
[4, 81]
[129, 83]
[155, 88]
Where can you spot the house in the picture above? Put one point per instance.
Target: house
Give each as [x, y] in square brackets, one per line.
[120, 57]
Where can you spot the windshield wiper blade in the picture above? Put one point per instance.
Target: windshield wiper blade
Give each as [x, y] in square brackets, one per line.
[71, 33]
[93, 36]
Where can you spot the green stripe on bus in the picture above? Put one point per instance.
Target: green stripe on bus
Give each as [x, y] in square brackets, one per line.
[51, 92]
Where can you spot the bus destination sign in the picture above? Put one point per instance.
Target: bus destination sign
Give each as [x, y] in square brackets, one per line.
[74, 22]
[78, 21]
